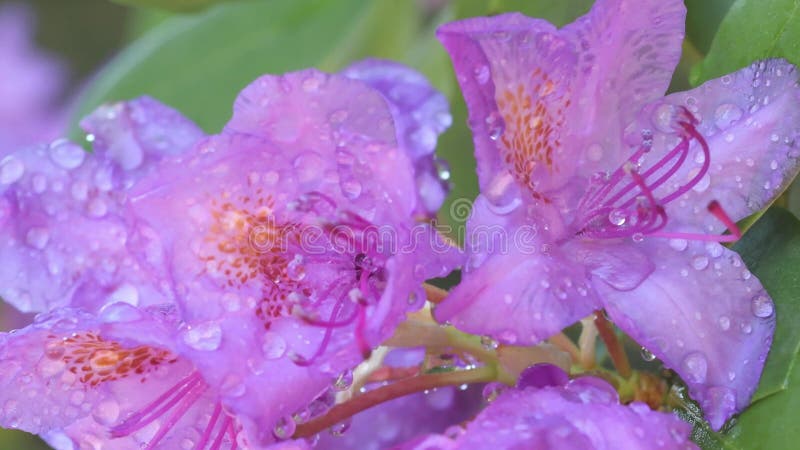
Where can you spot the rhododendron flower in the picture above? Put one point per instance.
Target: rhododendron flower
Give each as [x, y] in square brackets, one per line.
[545, 414]
[285, 246]
[628, 190]
[30, 82]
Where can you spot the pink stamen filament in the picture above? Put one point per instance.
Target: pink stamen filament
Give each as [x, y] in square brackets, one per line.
[149, 413]
[653, 218]
[226, 423]
[304, 362]
[187, 402]
[201, 444]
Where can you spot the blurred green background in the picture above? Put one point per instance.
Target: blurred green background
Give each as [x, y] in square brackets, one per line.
[198, 62]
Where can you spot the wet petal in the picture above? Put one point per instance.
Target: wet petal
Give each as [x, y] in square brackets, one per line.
[514, 72]
[705, 316]
[131, 132]
[64, 230]
[342, 121]
[90, 375]
[575, 416]
[421, 114]
[750, 122]
[628, 51]
[517, 287]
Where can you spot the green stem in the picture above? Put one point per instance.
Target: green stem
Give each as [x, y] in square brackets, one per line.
[400, 388]
[613, 345]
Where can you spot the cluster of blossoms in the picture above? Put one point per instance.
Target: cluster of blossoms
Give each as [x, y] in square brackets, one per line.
[233, 291]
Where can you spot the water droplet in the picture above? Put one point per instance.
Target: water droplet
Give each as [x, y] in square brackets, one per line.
[11, 170]
[307, 166]
[508, 336]
[340, 428]
[746, 328]
[339, 116]
[489, 343]
[492, 390]
[296, 270]
[696, 366]
[351, 189]
[273, 345]
[762, 306]
[67, 154]
[678, 244]
[726, 114]
[284, 428]
[106, 412]
[663, 117]
[203, 337]
[97, 207]
[637, 237]
[594, 152]
[617, 217]
[343, 381]
[37, 237]
[482, 74]
[699, 262]
[647, 355]
[442, 169]
[724, 323]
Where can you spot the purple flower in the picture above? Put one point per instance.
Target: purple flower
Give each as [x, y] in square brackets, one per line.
[30, 82]
[65, 216]
[579, 414]
[421, 114]
[614, 195]
[286, 246]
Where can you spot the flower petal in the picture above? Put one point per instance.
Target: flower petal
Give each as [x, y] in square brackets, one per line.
[515, 287]
[705, 316]
[751, 122]
[629, 49]
[339, 120]
[421, 114]
[576, 416]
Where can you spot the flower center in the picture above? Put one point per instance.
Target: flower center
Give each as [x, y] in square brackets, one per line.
[624, 203]
[97, 361]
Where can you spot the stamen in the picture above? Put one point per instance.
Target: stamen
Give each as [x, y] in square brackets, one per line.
[149, 413]
[173, 419]
[201, 444]
[226, 423]
[716, 209]
[305, 362]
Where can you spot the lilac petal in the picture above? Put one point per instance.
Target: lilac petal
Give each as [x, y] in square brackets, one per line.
[88, 374]
[331, 118]
[555, 418]
[65, 232]
[517, 287]
[705, 316]
[131, 132]
[514, 72]
[421, 114]
[750, 120]
[542, 375]
[629, 49]
[619, 264]
[404, 418]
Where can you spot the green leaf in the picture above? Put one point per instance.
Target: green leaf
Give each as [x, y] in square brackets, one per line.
[558, 13]
[752, 30]
[771, 250]
[172, 5]
[199, 63]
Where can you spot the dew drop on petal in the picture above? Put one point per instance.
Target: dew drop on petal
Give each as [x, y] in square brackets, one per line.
[724, 322]
[647, 355]
[203, 337]
[762, 306]
[273, 345]
[696, 366]
[37, 237]
[482, 74]
[11, 170]
[699, 262]
[678, 244]
[489, 343]
[106, 412]
[726, 114]
[66, 154]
